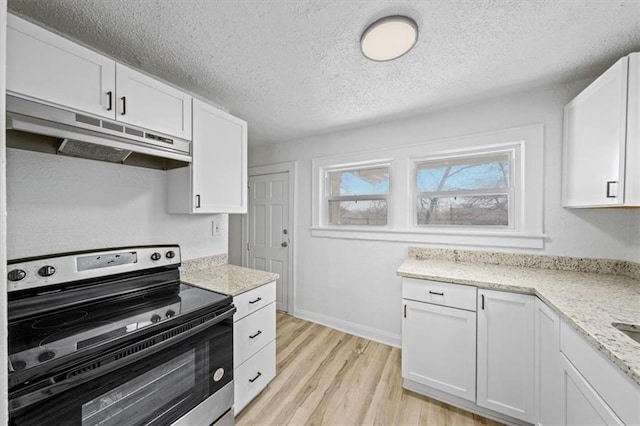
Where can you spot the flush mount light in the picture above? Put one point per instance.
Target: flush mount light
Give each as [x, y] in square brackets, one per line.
[389, 38]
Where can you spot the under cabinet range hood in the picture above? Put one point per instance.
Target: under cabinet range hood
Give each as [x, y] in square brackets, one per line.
[80, 135]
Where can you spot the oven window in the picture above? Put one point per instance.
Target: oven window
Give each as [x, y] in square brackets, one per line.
[166, 386]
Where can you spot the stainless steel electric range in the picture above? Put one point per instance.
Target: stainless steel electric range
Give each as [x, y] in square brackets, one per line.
[112, 337]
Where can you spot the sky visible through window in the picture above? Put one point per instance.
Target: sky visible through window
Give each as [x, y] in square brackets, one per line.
[442, 177]
[362, 182]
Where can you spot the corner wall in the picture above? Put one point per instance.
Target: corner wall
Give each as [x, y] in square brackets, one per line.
[352, 284]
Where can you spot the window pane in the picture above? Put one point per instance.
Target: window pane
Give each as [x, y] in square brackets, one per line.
[467, 173]
[364, 212]
[480, 210]
[359, 182]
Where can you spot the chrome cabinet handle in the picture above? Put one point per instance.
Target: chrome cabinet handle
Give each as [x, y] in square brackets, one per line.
[110, 95]
[197, 201]
[124, 105]
[255, 378]
[436, 293]
[482, 301]
[255, 335]
[255, 301]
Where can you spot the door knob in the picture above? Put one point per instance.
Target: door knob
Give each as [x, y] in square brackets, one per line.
[285, 244]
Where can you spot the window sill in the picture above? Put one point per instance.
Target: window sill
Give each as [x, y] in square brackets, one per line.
[482, 238]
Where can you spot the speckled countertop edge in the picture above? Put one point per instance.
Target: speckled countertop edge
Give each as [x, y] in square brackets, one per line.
[228, 279]
[587, 300]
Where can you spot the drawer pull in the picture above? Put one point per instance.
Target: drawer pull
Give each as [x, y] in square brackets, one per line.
[255, 301]
[436, 293]
[255, 335]
[255, 378]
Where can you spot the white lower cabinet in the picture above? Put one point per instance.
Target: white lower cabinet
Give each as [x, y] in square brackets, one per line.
[530, 365]
[253, 375]
[254, 344]
[440, 348]
[548, 371]
[581, 403]
[505, 353]
[594, 391]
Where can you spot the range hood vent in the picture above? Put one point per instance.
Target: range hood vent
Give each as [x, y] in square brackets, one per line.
[80, 149]
[85, 136]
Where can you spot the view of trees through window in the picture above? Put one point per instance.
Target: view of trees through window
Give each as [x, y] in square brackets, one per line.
[471, 191]
[358, 197]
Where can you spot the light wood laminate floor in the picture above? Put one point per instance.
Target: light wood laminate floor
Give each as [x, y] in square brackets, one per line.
[326, 377]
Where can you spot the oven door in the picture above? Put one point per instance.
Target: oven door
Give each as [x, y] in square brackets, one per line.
[155, 385]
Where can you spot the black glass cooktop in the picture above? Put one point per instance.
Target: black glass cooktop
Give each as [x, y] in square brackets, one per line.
[67, 331]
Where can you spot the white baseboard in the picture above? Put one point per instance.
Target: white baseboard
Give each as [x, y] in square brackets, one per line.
[351, 328]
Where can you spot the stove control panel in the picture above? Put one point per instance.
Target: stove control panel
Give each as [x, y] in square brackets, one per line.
[68, 267]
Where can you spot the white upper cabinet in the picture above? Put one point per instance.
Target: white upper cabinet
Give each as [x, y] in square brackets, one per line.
[44, 66]
[149, 103]
[506, 353]
[601, 158]
[216, 181]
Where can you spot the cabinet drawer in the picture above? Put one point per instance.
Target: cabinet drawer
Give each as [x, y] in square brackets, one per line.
[253, 332]
[439, 293]
[615, 388]
[253, 375]
[253, 300]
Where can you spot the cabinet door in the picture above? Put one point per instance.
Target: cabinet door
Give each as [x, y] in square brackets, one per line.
[594, 141]
[146, 102]
[506, 353]
[44, 66]
[219, 161]
[548, 397]
[253, 376]
[582, 404]
[253, 332]
[439, 348]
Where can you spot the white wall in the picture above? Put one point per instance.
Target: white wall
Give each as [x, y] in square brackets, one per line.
[352, 284]
[58, 204]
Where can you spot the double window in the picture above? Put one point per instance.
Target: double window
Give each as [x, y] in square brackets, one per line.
[482, 190]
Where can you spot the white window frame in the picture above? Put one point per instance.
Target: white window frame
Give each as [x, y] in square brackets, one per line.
[323, 182]
[527, 232]
[514, 193]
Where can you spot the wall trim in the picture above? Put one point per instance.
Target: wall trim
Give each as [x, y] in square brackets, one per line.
[457, 239]
[349, 327]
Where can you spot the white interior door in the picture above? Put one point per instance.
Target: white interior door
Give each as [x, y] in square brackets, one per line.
[269, 234]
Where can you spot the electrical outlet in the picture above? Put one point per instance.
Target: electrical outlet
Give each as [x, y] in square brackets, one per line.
[215, 227]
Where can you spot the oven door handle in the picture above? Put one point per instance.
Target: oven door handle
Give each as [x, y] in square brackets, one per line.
[39, 392]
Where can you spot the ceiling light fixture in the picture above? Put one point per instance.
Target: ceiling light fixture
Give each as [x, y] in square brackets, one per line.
[389, 38]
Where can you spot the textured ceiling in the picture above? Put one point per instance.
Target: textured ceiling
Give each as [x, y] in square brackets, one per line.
[294, 68]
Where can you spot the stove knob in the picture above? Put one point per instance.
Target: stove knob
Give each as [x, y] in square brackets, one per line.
[46, 356]
[16, 275]
[46, 271]
[155, 256]
[170, 313]
[170, 254]
[155, 318]
[18, 365]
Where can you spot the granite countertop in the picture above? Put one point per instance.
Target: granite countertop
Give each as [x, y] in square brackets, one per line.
[228, 279]
[588, 301]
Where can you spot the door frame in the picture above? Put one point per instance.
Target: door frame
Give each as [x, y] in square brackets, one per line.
[290, 168]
